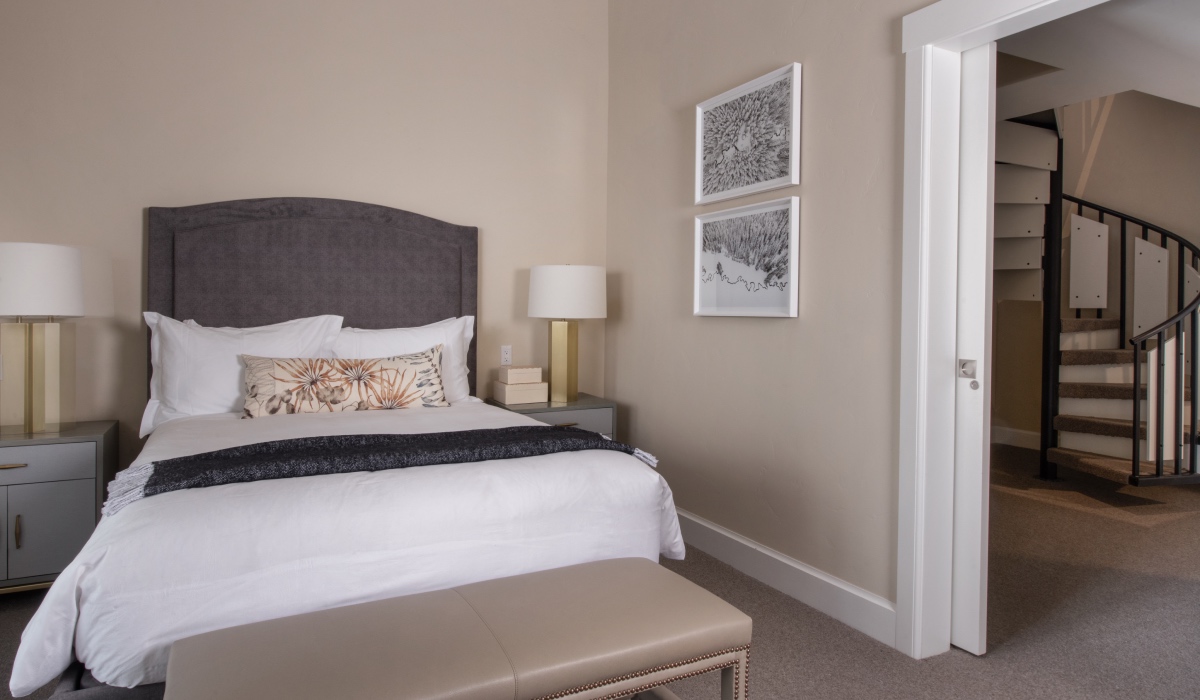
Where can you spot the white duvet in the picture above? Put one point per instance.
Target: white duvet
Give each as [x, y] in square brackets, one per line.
[181, 563]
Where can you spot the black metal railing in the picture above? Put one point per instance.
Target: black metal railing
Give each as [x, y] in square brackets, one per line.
[1051, 322]
[1187, 316]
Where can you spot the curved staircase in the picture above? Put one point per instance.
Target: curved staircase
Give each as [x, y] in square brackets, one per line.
[1124, 409]
[1116, 379]
[1095, 399]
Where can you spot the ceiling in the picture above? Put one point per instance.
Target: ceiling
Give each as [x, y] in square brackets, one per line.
[1147, 45]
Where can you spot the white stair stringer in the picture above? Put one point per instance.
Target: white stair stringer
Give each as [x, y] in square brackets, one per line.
[1017, 254]
[1109, 339]
[1025, 156]
[1020, 220]
[1117, 409]
[1030, 146]
[1099, 374]
[1021, 285]
[1119, 447]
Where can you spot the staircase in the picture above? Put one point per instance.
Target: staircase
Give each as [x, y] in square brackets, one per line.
[1094, 424]
[1116, 395]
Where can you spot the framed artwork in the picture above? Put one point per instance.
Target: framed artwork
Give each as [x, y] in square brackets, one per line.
[748, 259]
[748, 139]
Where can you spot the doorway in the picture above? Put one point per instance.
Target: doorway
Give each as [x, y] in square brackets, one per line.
[946, 360]
[945, 427]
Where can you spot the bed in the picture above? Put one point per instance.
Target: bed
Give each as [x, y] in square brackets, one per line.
[189, 561]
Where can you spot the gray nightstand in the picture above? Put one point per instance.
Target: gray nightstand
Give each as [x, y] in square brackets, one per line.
[587, 412]
[51, 490]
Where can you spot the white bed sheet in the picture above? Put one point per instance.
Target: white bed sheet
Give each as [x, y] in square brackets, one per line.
[181, 563]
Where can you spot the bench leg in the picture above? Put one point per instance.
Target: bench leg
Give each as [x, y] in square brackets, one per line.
[727, 683]
[735, 680]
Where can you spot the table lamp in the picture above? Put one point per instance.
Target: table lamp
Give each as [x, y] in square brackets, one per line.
[37, 360]
[566, 293]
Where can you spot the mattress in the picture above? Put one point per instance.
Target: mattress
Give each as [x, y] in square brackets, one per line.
[181, 563]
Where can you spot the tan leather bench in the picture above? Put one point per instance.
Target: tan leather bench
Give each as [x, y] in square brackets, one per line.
[606, 629]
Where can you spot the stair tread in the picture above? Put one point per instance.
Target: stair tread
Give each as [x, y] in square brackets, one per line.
[1097, 357]
[1111, 427]
[1097, 390]
[1115, 468]
[1082, 325]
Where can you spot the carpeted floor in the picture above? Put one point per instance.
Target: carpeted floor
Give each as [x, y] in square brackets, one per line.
[15, 611]
[1095, 593]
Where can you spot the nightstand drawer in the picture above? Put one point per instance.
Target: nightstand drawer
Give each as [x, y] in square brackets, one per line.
[597, 420]
[56, 462]
[47, 525]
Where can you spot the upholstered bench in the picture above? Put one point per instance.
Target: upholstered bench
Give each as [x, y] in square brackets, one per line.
[607, 629]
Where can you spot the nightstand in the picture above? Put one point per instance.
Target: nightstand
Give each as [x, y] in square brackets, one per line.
[588, 412]
[51, 490]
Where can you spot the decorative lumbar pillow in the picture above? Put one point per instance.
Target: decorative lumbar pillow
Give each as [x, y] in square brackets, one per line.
[196, 370]
[317, 384]
[453, 334]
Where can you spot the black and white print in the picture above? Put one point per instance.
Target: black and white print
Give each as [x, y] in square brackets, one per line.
[746, 260]
[747, 138]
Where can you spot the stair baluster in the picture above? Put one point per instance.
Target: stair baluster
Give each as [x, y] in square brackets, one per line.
[1180, 441]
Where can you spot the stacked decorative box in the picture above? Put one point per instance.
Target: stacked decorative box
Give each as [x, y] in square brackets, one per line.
[519, 385]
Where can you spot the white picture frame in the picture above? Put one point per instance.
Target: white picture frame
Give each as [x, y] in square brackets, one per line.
[747, 121]
[738, 270]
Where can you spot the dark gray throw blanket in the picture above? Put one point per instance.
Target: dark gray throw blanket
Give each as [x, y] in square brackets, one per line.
[338, 454]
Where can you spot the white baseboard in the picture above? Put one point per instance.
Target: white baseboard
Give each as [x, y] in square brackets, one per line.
[1017, 438]
[866, 612]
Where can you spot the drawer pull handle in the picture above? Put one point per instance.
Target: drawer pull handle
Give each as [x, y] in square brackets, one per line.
[12, 466]
[17, 531]
[565, 425]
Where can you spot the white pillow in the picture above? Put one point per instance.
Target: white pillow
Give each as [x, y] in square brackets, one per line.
[198, 370]
[453, 334]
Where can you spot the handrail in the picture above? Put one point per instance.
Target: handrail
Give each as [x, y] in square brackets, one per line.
[1182, 313]
[1130, 219]
[1157, 410]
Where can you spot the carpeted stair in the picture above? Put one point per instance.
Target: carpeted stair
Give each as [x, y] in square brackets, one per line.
[1096, 394]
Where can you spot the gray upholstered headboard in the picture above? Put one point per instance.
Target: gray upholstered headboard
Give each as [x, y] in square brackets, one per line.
[255, 262]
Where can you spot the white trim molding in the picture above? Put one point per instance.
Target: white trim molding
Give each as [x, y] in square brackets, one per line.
[866, 612]
[928, 323]
[959, 25]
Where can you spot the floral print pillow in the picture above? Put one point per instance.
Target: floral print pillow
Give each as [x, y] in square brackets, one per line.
[315, 384]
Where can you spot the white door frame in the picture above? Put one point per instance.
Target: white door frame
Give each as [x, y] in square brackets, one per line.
[934, 41]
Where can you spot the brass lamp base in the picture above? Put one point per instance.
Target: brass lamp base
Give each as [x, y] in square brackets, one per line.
[37, 384]
[564, 361]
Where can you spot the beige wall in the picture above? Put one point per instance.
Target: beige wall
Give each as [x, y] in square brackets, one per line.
[564, 130]
[476, 112]
[1140, 155]
[783, 430]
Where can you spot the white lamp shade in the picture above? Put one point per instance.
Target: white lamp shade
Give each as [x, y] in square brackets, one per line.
[567, 291]
[39, 279]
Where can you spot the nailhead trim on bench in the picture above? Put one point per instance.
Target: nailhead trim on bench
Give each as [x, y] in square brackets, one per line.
[633, 691]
